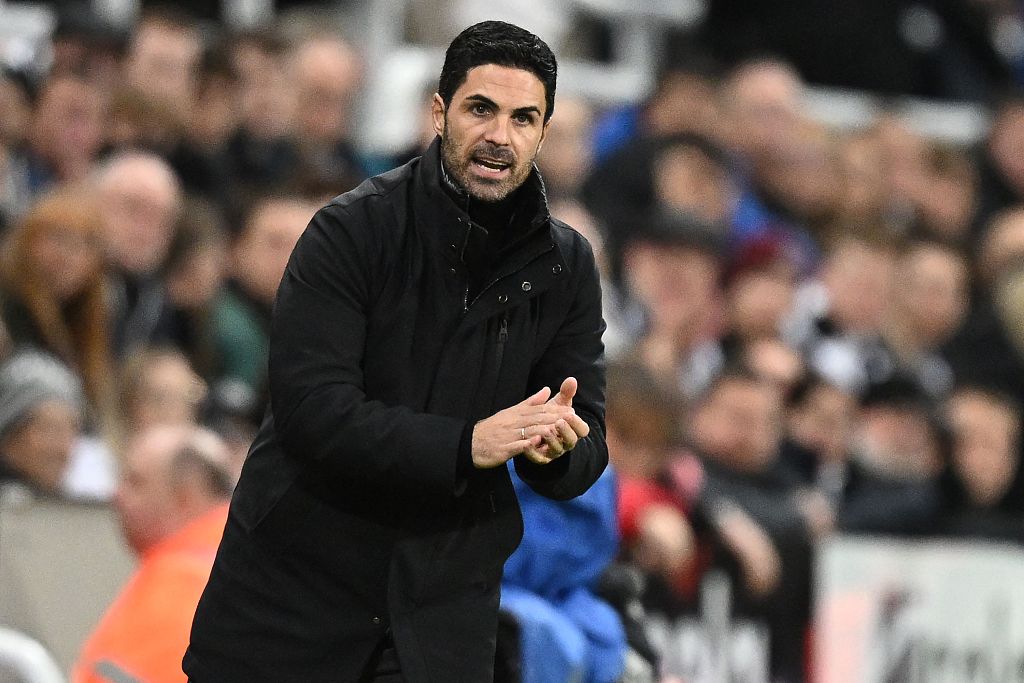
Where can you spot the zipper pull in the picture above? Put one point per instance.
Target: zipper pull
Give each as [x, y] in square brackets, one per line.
[503, 331]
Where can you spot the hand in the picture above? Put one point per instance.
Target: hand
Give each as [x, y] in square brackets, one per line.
[518, 429]
[753, 548]
[562, 436]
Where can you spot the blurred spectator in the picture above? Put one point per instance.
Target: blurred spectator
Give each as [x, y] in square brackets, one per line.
[985, 351]
[54, 295]
[566, 157]
[838, 316]
[67, 131]
[261, 155]
[672, 267]
[172, 502]
[159, 388]
[691, 174]
[41, 406]
[140, 199]
[643, 431]
[86, 45]
[760, 286]
[241, 317]
[195, 273]
[679, 173]
[820, 420]
[898, 453]
[682, 101]
[930, 299]
[984, 494]
[163, 59]
[1001, 161]
[759, 515]
[326, 73]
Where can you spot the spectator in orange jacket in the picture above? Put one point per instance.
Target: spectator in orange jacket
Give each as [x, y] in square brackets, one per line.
[172, 501]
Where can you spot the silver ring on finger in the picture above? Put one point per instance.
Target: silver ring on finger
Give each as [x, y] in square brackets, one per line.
[522, 433]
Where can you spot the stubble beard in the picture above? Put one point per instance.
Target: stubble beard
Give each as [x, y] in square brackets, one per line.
[479, 189]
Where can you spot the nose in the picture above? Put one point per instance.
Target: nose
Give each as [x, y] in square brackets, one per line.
[498, 132]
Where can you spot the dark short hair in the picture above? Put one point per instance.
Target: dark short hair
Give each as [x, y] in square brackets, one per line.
[497, 42]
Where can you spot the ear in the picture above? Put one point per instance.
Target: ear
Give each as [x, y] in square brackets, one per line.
[437, 113]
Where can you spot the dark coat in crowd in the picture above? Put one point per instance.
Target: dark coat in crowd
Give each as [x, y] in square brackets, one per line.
[352, 518]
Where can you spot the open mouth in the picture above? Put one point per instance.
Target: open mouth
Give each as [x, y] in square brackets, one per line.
[491, 167]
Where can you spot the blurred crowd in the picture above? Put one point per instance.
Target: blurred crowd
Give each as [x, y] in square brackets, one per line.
[810, 330]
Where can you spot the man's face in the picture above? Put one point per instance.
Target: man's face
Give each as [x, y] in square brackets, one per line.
[144, 499]
[492, 130]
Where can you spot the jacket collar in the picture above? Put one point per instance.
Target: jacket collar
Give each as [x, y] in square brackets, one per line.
[446, 222]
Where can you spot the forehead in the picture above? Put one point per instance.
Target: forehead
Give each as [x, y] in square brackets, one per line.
[507, 86]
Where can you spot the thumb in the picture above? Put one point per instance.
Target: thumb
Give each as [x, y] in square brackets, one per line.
[566, 392]
[539, 398]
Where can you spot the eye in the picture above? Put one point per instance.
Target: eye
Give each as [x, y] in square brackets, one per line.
[523, 119]
[479, 109]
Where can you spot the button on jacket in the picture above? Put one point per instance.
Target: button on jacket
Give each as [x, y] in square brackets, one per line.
[352, 518]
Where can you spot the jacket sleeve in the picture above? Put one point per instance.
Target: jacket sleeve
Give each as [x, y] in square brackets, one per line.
[576, 351]
[320, 408]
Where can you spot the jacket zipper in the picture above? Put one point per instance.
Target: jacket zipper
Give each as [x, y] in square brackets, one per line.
[502, 338]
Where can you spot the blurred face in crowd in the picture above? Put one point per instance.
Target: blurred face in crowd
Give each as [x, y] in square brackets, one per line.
[326, 73]
[774, 362]
[685, 102]
[823, 422]
[492, 130]
[899, 441]
[759, 299]
[762, 102]
[59, 244]
[1002, 247]
[165, 391]
[1006, 144]
[931, 291]
[39, 447]
[686, 178]
[676, 285]
[266, 93]
[859, 279]
[145, 497]
[162, 62]
[986, 434]
[739, 424]
[140, 200]
[262, 251]
[566, 158]
[803, 173]
[68, 125]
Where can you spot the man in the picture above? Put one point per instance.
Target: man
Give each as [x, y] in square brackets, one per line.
[366, 538]
[140, 200]
[172, 501]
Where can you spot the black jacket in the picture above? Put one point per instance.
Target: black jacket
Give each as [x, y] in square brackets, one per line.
[351, 516]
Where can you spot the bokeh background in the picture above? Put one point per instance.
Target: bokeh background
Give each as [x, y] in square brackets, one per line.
[809, 217]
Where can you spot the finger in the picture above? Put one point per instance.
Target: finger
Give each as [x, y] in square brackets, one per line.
[549, 413]
[524, 445]
[539, 398]
[579, 425]
[538, 455]
[553, 441]
[566, 392]
[567, 435]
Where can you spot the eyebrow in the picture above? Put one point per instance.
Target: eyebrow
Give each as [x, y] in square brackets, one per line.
[494, 105]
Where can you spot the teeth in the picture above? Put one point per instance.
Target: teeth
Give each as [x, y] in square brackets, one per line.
[497, 166]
